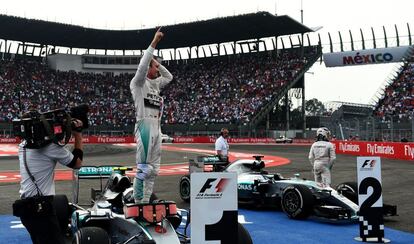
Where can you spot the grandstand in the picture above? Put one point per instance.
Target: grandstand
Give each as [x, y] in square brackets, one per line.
[397, 98]
[390, 118]
[230, 77]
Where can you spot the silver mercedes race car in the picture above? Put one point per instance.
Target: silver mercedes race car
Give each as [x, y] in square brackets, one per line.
[298, 198]
[113, 217]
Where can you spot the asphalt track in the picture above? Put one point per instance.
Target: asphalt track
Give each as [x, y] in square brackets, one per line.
[397, 175]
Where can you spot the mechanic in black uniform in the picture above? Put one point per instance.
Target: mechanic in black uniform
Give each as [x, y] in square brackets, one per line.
[37, 187]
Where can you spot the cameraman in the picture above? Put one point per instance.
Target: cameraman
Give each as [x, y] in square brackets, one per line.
[37, 188]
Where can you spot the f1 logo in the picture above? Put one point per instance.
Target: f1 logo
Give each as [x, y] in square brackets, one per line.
[368, 164]
[207, 185]
[221, 185]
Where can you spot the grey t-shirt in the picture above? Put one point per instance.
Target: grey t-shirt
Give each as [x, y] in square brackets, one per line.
[41, 163]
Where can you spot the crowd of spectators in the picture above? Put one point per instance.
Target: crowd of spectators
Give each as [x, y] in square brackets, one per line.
[227, 89]
[398, 98]
[32, 85]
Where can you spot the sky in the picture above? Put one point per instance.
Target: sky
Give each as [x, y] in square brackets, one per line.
[345, 84]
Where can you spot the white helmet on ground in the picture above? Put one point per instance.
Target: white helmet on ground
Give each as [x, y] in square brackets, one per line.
[323, 131]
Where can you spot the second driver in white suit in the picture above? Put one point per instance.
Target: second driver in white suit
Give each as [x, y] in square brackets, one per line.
[322, 156]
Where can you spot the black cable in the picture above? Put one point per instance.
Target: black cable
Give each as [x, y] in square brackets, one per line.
[39, 193]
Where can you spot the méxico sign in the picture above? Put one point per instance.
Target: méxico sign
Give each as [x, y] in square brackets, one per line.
[370, 56]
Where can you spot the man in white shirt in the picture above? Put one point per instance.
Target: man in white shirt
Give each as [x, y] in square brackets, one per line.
[221, 145]
[37, 186]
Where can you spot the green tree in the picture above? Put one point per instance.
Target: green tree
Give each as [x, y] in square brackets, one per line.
[314, 107]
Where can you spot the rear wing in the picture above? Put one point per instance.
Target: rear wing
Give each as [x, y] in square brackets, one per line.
[211, 160]
[91, 172]
[95, 172]
[201, 161]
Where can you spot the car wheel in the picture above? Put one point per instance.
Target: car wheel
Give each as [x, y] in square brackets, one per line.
[185, 188]
[61, 206]
[91, 235]
[153, 197]
[349, 190]
[243, 235]
[297, 201]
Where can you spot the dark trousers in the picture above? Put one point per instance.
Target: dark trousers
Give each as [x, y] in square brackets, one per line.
[43, 229]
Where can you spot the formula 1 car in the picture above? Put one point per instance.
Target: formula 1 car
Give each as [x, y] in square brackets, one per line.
[115, 218]
[166, 138]
[284, 139]
[298, 198]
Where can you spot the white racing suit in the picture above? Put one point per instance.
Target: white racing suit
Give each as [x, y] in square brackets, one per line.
[322, 156]
[148, 105]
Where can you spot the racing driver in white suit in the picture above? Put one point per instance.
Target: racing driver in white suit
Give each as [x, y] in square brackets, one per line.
[145, 87]
[322, 156]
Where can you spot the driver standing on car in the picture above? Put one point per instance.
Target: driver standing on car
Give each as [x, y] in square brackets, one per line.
[145, 87]
[322, 156]
[37, 188]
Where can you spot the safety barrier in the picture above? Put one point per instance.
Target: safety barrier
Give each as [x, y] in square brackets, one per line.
[395, 150]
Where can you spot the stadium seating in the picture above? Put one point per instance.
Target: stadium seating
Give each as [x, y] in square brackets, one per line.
[225, 89]
[398, 97]
[229, 89]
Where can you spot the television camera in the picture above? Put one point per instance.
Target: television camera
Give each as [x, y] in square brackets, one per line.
[40, 129]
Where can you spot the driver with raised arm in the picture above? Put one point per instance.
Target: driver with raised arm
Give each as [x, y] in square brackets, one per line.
[145, 87]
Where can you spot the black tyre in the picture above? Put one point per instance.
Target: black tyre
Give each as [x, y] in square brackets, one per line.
[349, 190]
[243, 235]
[91, 235]
[297, 201]
[153, 197]
[185, 188]
[62, 209]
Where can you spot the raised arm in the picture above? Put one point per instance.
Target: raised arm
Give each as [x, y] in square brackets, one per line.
[143, 66]
[166, 76]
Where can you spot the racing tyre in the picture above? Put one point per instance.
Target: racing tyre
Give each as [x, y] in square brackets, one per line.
[349, 190]
[243, 235]
[185, 188]
[297, 201]
[91, 235]
[61, 206]
[153, 197]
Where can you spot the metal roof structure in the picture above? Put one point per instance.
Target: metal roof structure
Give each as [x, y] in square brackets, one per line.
[212, 31]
